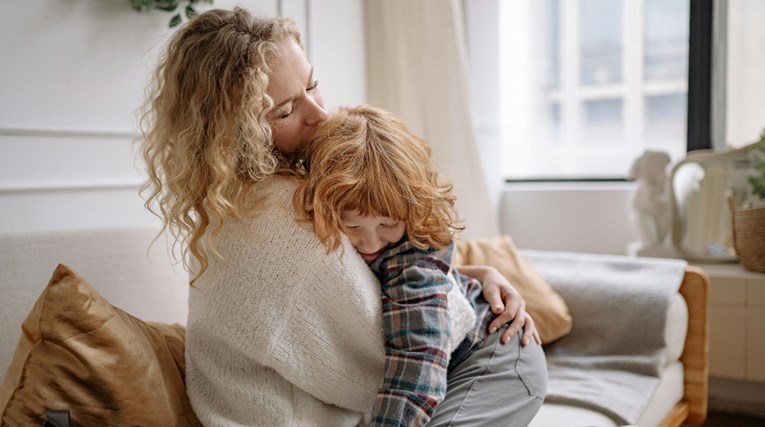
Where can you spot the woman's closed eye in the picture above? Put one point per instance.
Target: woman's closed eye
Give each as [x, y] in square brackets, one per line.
[287, 113]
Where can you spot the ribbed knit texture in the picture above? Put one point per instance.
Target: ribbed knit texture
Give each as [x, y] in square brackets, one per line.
[280, 333]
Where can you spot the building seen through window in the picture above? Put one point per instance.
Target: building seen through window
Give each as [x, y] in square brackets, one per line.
[587, 85]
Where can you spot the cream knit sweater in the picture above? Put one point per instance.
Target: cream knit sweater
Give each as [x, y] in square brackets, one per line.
[280, 333]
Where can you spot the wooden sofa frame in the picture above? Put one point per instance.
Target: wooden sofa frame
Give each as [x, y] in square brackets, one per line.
[692, 410]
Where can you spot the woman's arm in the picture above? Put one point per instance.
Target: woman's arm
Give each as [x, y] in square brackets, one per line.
[279, 304]
[505, 302]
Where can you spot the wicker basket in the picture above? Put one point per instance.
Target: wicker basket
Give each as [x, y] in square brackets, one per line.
[749, 237]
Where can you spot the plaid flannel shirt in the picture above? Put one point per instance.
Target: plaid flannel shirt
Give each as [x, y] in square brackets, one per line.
[416, 321]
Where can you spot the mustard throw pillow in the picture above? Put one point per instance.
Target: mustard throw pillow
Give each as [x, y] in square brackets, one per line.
[80, 354]
[544, 304]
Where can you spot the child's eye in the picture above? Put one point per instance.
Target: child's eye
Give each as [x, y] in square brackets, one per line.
[389, 225]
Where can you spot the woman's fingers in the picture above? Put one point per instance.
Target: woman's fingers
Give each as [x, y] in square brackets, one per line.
[494, 299]
[530, 332]
[509, 315]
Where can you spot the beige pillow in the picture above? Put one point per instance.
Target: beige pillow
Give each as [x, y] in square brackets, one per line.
[544, 304]
[80, 354]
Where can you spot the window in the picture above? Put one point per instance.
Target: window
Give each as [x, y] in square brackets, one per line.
[586, 86]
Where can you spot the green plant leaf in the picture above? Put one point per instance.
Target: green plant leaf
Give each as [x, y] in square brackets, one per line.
[142, 5]
[167, 3]
[167, 8]
[190, 12]
[175, 20]
[145, 6]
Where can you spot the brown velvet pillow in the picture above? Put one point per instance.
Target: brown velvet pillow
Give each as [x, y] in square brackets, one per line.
[80, 354]
[544, 304]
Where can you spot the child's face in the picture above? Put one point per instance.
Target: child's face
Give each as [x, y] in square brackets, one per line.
[371, 234]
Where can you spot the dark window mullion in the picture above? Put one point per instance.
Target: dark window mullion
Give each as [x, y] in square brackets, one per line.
[700, 75]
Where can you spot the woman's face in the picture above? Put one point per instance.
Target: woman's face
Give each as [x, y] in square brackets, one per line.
[298, 104]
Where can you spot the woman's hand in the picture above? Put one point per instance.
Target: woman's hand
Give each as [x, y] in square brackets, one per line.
[506, 303]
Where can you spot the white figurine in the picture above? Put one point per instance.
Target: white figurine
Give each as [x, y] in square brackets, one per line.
[652, 209]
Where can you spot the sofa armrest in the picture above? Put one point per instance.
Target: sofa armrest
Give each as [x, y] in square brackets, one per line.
[695, 357]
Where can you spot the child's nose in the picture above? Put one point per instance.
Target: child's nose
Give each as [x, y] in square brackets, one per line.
[370, 243]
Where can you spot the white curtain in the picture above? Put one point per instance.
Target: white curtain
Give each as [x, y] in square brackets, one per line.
[417, 69]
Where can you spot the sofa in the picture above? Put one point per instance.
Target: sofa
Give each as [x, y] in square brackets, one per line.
[636, 354]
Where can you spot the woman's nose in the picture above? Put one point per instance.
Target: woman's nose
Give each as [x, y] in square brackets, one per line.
[316, 113]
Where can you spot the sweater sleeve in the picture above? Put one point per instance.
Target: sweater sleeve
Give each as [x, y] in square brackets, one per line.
[417, 329]
[278, 304]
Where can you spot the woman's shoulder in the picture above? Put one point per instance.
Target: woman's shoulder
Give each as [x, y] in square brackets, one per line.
[274, 188]
[270, 212]
[271, 200]
[273, 233]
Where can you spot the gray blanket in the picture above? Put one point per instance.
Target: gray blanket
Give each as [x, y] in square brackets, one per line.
[612, 359]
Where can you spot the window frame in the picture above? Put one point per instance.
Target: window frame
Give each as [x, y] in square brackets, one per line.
[699, 122]
[699, 112]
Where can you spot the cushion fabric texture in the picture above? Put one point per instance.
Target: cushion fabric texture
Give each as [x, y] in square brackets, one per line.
[546, 306]
[80, 354]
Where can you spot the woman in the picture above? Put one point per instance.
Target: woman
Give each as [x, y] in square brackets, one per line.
[279, 332]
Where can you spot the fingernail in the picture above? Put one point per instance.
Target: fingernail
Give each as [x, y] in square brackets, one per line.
[492, 329]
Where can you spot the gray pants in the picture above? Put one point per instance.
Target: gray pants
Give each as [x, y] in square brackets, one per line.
[496, 386]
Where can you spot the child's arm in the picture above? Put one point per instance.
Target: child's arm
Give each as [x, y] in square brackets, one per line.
[509, 306]
[417, 328]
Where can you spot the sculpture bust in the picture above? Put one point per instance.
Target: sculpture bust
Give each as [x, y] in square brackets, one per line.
[651, 203]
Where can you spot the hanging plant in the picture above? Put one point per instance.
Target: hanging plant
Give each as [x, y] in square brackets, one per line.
[180, 7]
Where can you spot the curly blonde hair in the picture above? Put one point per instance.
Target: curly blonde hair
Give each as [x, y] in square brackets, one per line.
[205, 134]
[365, 159]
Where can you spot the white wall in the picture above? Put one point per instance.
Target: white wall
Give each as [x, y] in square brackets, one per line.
[592, 217]
[745, 72]
[72, 76]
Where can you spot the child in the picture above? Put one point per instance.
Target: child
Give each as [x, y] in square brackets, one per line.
[370, 178]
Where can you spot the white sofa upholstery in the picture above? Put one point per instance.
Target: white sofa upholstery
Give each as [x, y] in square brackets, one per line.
[121, 265]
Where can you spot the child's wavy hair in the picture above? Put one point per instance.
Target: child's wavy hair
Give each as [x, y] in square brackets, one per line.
[205, 135]
[365, 159]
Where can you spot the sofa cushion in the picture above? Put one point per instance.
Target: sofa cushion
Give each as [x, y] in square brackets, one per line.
[544, 304]
[80, 354]
[125, 266]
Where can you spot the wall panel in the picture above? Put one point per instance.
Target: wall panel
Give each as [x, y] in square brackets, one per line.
[72, 79]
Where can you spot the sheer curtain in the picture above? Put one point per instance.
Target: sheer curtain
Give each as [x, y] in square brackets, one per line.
[417, 69]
